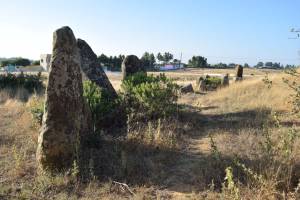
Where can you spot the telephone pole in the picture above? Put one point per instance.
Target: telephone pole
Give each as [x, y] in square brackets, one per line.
[296, 32]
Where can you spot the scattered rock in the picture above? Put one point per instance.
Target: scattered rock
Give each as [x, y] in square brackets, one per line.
[67, 117]
[187, 89]
[131, 65]
[91, 68]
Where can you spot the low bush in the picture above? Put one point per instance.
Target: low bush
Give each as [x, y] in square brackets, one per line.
[36, 106]
[29, 82]
[150, 97]
[213, 82]
[102, 105]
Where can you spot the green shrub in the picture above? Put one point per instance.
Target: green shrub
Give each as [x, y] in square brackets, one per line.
[29, 82]
[36, 105]
[101, 103]
[149, 96]
[213, 81]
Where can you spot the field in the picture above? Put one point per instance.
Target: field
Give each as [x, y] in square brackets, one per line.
[233, 127]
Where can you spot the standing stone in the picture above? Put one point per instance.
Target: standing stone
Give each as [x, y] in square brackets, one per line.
[201, 84]
[239, 72]
[92, 70]
[131, 65]
[66, 118]
[225, 80]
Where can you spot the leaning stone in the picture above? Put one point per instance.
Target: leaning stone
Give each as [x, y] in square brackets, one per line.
[187, 89]
[66, 118]
[92, 70]
[131, 65]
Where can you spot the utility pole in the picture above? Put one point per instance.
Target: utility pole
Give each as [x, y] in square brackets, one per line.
[296, 32]
[180, 59]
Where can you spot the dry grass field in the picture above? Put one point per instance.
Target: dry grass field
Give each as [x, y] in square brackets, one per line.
[234, 127]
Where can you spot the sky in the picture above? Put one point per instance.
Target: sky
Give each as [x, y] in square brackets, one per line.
[228, 31]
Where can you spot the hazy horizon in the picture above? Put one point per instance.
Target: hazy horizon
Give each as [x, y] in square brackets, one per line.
[227, 31]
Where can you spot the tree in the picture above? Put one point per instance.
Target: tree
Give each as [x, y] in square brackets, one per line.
[260, 64]
[4, 63]
[197, 61]
[22, 62]
[231, 65]
[269, 64]
[160, 57]
[167, 57]
[103, 59]
[148, 60]
[246, 65]
[16, 61]
[35, 62]
[276, 65]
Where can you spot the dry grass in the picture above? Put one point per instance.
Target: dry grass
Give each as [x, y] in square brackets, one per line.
[251, 94]
[233, 117]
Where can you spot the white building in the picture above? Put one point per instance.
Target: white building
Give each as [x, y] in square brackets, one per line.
[171, 67]
[45, 60]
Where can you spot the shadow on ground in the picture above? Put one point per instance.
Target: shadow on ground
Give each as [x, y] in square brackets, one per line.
[179, 170]
[234, 122]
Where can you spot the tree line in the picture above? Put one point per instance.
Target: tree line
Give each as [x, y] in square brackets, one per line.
[272, 65]
[15, 61]
[150, 62]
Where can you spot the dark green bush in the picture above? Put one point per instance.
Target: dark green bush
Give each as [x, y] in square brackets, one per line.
[29, 82]
[101, 103]
[150, 96]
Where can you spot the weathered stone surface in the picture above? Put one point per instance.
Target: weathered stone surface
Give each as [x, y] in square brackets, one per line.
[67, 117]
[91, 68]
[202, 86]
[239, 72]
[131, 65]
[225, 80]
[187, 89]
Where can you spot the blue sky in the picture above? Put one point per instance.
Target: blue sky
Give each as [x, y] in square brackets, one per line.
[241, 31]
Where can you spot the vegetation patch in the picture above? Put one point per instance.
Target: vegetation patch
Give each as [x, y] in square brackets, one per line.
[14, 82]
[102, 105]
[149, 96]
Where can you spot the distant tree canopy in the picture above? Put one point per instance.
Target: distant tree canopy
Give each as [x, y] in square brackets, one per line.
[15, 61]
[197, 61]
[113, 63]
[35, 62]
[222, 65]
[273, 65]
[260, 64]
[246, 65]
[148, 60]
[290, 66]
[164, 58]
[219, 65]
